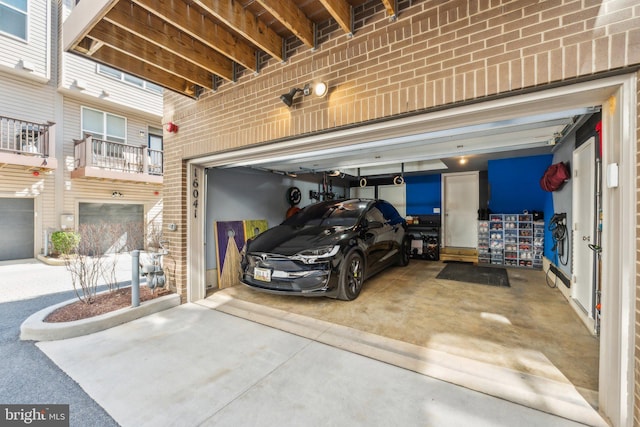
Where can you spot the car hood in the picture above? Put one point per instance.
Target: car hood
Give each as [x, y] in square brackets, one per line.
[288, 240]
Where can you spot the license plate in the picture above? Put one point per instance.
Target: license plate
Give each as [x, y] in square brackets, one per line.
[262, 274]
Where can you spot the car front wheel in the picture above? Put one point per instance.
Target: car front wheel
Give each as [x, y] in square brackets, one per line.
[351, 276]
[405, 252]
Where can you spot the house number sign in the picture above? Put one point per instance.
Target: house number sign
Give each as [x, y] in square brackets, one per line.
[195, 193]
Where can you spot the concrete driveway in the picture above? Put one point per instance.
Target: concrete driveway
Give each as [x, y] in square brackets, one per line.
[195, 365]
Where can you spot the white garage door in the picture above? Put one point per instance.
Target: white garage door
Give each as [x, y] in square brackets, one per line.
[16, 228]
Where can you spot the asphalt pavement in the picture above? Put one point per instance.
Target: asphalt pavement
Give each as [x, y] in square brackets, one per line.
[27, 375]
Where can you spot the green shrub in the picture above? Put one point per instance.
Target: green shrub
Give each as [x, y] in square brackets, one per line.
[64, 242]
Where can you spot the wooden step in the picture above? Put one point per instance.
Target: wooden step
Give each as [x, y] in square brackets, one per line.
[459, 254]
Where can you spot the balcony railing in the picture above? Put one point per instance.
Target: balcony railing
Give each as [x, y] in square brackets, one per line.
[108, 157]
[23, 137]
[28, 144]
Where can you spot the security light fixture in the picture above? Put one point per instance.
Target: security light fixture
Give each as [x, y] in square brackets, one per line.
[287, 98]
[319, 89]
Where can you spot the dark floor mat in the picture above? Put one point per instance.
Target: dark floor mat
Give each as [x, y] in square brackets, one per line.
[467, 272]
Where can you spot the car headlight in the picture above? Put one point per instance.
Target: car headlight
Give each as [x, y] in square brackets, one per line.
[321, 254]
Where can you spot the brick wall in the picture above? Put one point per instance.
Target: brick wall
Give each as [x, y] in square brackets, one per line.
[436, 53]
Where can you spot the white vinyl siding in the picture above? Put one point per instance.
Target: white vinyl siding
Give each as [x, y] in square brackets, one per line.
[107, 88]
[25, 101]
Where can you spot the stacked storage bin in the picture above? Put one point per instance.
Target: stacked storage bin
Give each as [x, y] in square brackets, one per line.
[511, 240]
[496, 238]
[484, 255]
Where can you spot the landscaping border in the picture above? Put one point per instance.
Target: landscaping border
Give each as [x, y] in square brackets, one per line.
[34, 328]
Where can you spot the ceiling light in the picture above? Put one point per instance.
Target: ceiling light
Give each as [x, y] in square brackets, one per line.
[463, 161]
[334, 173]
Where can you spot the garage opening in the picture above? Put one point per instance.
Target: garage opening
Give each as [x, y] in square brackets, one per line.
[16, 228]
[508, 144]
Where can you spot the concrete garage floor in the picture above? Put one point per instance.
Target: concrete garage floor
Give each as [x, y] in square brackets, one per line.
[528, 327]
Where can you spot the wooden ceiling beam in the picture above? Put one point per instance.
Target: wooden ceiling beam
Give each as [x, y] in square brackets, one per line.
[193, 23]
[341, 11]
[114, 58]
[288, 13]
[232, 14]
[132, 45]
[391, 7]
[87, 46]
[149, 27]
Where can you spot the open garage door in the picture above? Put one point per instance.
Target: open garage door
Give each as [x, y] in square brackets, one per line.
[125, 224]
[16, 228]
[441, 140]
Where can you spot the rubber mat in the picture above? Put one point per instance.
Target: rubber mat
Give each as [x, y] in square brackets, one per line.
[467, 272]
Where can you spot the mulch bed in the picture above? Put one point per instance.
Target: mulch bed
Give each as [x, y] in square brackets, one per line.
[103, 303]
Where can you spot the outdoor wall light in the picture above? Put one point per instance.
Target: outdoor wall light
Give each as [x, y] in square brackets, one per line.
[117, 195]
[287, 98]
[319, 89]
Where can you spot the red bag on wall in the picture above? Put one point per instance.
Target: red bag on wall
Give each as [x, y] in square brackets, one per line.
[554, 177]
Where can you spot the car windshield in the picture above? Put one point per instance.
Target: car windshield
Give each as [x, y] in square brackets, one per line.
[343, 214]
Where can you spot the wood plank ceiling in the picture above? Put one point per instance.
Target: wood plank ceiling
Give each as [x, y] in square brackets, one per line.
[189, 45]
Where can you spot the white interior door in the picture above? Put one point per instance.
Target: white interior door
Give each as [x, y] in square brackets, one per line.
[583, 224]
[461, 203]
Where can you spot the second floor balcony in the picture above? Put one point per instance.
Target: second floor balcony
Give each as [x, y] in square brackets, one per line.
[100, 159]
[28, 144]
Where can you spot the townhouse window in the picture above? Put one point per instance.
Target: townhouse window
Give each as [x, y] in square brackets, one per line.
[128, 78]
[104, 126]
[13, 18]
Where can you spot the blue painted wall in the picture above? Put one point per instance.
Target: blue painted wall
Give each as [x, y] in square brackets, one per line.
[514, 184]
[423, 193]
